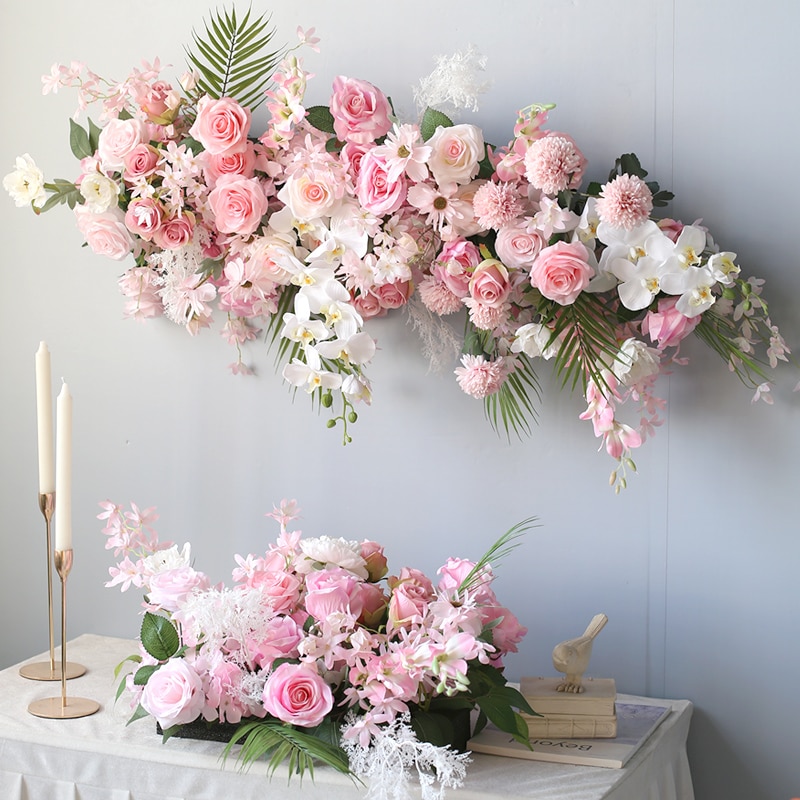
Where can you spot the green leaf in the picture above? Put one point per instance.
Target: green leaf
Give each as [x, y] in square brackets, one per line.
[94, 136]
[79, 141]
[159, 637]
[321, 118]
[502, 716]
[232, 57]
[140, 713]
[143, 674]
[431, 727]
[431, 120]
[61, 192]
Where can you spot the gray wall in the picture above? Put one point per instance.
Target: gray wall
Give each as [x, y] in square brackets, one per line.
[695, 564]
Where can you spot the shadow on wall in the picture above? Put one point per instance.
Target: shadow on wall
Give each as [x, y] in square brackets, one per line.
[732, 782]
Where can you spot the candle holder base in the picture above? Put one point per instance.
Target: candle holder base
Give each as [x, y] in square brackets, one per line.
[63, 708]
[42, 671]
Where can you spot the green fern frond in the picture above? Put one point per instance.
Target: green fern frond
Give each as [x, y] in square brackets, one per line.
[282, 743]
[588, 332]
[231, 57]
[503, 547]
[512, 406]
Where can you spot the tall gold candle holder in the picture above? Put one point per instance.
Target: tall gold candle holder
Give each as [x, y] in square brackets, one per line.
[44, 670]
[63, 707]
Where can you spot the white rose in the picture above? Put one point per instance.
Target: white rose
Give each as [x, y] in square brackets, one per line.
[308, 198]
[333, 553]
[168, 559]
[635, 362]
[457, 151]
[117, 139]
[99, 191]
[532, 339]
[26, 183]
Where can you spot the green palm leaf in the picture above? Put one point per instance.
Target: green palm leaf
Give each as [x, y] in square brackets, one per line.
[232, 58]
[512, 406]
[282, 743]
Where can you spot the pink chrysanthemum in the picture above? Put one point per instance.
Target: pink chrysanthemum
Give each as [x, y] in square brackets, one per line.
[479, 377]
[437, 297]
[483, 317]
[496, 204]
[554, 163]
[625, 202]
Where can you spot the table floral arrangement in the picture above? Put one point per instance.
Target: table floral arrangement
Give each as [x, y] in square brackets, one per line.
[303, 228]
[316, 653]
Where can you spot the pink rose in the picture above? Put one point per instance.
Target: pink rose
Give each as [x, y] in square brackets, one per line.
[507, 633]
[352, 154]
[332, 591]
[407, 606]
[489, 283]
[455, 263]
[518, 244]
[280, 589]
[667, 326]
[308, 196]
[143, 217]
[457, 152]
[562, 271]
[169, 588]
[221, 126]
[393, 295]
[174, 694]
[375, 192]
[455, 571]
[360, 111]
[141, 161]
[238, 204]
[373, 554]
[368, 305]
[283, 635]
[175, 232]
[373, 605]
[105, 233]
[159, 101]
[242, 162]
[116, 140]
[297, 695]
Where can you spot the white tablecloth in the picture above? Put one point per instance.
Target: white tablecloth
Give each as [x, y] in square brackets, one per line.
[99, 758]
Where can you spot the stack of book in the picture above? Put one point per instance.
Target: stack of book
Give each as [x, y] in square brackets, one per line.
[591, 714]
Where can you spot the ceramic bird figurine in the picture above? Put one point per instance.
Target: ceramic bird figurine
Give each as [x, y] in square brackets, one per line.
[572, 657]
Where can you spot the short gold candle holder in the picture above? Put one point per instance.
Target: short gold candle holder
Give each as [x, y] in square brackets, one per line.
[63, 707]
[42, 670]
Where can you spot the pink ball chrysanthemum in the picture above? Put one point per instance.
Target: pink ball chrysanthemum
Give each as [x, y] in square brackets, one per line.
[438, 298]
[483, 317]
[625, 202]
[554, 163]
[479, 377]
[496, 204]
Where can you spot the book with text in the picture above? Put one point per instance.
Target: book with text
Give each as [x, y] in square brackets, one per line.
[635, 723]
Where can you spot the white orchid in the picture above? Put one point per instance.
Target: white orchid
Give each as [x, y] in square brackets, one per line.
[694, 287]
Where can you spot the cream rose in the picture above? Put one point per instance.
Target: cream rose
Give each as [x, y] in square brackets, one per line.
[456, 153]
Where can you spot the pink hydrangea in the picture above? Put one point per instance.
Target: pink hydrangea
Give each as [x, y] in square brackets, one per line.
[438, 298]
[625, 202]
[478, 377]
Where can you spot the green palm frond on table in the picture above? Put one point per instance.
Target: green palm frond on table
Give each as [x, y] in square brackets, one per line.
[231, 58]
[283, 743]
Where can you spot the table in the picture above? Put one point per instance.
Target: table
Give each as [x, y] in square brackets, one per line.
[100, 758]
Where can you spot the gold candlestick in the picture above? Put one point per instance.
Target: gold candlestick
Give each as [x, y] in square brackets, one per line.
[42, 670]
[63, 707]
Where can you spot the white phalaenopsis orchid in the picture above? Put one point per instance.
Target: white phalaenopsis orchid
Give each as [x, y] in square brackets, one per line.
[694, 287]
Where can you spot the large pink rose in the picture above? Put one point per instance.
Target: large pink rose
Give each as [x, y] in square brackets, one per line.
[507, 633]
[331, 591]
[280, 589]
[297, 695]
[116, 140]
[411, 591]
[283, 635]
[175, 232]
[241, 162]
[168, 589]
[376, 193]
[238, 204]
[666, 326]
[144, 217]
[360, 111]
[518, 244]
[454, 572]
[562, 271]
[174, 694]
[105, 233]
[221, 126]
[489, 284]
